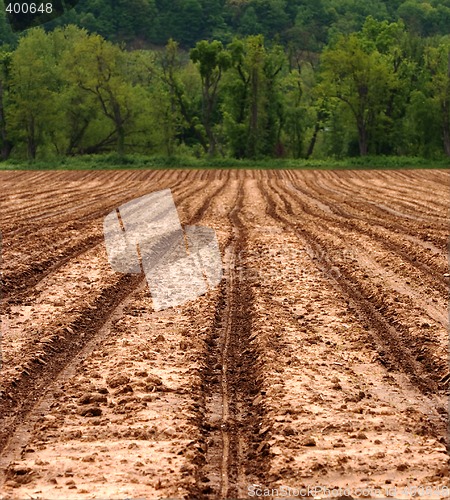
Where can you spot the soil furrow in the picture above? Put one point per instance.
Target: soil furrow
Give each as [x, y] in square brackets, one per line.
[388, 263]
[232, 380]
[397, 193]
[378, 214]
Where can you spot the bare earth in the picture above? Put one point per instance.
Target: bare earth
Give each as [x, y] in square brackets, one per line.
[320, 361]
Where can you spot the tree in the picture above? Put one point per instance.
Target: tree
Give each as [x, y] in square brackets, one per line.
[98, 68]
[304, 113]
[252, 105]
[78, 109]
[5, 143]
[311, 25]
[418, 16]
[362, 79]
[34, 88]
[294, 115]
[212, 60]
[188, 22]
[438, 65]
[249, 24]
[271, 15]
[255, 59]
[348, 16]
[134, 19]
[6, 35]
[180, 103]
[396, 46]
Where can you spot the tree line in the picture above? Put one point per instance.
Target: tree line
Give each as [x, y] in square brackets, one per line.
[305, 24]
[380, 90]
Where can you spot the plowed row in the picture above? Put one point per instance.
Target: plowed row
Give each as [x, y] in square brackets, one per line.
[321, 360]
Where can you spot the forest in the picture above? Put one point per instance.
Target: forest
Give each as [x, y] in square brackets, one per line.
[247, 79]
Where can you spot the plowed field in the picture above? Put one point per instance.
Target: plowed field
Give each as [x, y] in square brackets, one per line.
[321, 360]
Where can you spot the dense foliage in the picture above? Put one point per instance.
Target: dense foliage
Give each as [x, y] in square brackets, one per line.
[306, 24]
[244, 79]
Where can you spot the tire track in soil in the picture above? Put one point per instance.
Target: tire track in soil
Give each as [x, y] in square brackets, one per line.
[231, 381]
[397, 353]
[418, 349]
[41, 403]
[18, 403]
[65, 345]
[316, 346]
[403, 288]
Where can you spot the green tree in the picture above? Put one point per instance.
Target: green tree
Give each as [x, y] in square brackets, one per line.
[6, 144]
[349, 15]
[249, 23]
[272, 16]
[252, 105]
[394, 44]
[304, 113]
[438, 65]
[188, 22]
[78, 108]
[99, 69]
[34, 90]
[181, 103]
[420, 17]
[212, 60]
[362, 79]
[311, 24]
[6, 34]
[421, 128]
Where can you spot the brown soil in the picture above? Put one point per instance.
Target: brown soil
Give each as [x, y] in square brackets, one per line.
[321, 360]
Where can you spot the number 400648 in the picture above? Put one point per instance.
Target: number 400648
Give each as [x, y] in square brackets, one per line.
[29, 8]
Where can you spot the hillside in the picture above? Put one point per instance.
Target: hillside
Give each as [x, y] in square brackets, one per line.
[306, 24]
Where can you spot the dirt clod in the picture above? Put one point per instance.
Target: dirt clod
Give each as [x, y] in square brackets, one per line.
[91, 411]
[117, 380]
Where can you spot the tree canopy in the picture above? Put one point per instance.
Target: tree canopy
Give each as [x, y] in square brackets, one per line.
[239, 78]
[308, 24]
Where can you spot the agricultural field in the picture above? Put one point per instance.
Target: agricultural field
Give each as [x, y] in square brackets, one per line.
[320, 360]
